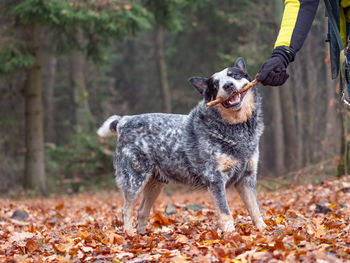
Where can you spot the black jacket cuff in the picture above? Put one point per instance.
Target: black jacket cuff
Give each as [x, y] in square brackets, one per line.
[287, 54]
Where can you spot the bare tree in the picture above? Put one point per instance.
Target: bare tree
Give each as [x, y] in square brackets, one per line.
[292, 158]
[49, 79]
[82, 110]
[161, 64]
[278, 136]
[34, 134]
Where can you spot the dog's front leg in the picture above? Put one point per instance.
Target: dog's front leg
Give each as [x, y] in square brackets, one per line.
[246, 188]
[218, 193]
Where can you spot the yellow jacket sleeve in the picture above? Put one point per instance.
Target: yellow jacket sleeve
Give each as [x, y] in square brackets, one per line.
[296, 22]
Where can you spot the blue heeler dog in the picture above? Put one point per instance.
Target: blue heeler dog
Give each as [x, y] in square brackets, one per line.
[209, 148]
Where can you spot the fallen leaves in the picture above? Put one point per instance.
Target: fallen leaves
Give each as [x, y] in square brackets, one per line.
[307, 223]
[159, 220]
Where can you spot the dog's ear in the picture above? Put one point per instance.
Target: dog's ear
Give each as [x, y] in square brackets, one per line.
[201, 84]
[240, 64]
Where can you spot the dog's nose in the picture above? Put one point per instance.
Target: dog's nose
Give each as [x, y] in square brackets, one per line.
[229, 86]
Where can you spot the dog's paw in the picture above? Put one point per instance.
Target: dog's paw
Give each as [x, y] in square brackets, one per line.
[228, 227]
[226, 223]
[261, 225]
[141, 230]
[130, 231]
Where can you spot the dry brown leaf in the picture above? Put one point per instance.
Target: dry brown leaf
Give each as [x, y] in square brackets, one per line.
[89, 229]
[320, 229]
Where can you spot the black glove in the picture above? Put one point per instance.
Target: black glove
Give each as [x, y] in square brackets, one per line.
[273, 71]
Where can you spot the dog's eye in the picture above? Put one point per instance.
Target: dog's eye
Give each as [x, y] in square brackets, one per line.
[240, 76]
[237, 76]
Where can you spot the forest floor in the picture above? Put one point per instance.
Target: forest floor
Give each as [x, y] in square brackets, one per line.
[306, 223]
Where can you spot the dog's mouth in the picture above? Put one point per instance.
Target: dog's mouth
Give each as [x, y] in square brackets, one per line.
[235, 101]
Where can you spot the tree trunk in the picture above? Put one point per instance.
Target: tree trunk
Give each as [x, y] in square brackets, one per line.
[311, 110]
[49, 77]
[332, 120]
[278, 136]
[296, 96]
[289, 127]
[165, 91]
[82, 110]
[35, 176]
[277, 116]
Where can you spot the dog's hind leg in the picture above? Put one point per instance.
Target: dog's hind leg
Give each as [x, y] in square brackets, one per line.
[131, 186]
[130, 199]
[150, 193]
[246, 188]
[218, 193]
[133, 171]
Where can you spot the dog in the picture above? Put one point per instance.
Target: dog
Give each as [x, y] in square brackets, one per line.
[208, 148]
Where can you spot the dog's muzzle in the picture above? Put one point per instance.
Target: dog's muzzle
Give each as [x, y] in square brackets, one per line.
[235, 102]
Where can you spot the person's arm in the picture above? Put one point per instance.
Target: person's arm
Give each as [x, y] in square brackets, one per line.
[296, 23]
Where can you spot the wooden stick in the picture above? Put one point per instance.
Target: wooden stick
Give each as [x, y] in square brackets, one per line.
[219, 100]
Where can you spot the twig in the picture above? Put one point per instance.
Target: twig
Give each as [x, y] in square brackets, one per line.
[219, 100]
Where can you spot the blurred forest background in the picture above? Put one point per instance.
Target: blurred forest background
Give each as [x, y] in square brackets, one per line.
[66, 65]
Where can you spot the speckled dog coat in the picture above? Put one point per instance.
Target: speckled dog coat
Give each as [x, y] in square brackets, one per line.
[209, 148]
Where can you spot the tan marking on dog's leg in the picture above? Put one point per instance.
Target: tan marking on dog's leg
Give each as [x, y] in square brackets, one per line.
[226, 162]
[251, 203]
[150, 194]
[253, 163]
[251, 166]
[241, 115]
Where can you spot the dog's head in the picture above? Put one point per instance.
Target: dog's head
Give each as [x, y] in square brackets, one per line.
[224, 83]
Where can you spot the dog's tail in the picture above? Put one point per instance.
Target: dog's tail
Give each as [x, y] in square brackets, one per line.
[109, 127]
